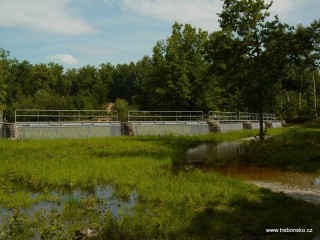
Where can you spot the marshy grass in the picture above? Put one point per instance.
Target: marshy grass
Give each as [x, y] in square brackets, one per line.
[174, 200]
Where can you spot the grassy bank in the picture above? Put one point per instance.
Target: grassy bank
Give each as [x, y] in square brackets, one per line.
[174, 200]
[296, 149]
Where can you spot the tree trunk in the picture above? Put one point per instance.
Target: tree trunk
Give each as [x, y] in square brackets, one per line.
[315, 95]
[300, 100]
[261, 133]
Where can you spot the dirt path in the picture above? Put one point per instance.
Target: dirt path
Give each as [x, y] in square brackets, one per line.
[311, 195]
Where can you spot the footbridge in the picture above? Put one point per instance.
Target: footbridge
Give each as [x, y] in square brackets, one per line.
[53, 124]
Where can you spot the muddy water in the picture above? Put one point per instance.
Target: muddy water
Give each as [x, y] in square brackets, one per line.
[218, 157]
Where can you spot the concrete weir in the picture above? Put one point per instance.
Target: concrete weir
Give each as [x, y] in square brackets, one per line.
[54, 124]
[190, 128]
[114, 129]
[69, 130]
[167, 128]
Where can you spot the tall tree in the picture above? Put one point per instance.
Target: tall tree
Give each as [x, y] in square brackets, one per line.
[262, 53]
[102, 88]
[122, 86]
[4, 65]
[143, 71]
[179, 68]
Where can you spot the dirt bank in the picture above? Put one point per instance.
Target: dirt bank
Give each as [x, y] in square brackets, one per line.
[311, 195]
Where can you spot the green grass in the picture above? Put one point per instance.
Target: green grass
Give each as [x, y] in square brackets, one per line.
[297, 149]
[174, 200]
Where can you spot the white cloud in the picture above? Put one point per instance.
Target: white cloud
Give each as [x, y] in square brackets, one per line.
[64, 59]
[295, 11]
[201, 13]
[284, 7]
[44, 16]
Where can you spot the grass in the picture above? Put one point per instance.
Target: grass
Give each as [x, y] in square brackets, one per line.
[174, 200]
[298, 149]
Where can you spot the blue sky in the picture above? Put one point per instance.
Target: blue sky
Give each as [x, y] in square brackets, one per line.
[75, 33]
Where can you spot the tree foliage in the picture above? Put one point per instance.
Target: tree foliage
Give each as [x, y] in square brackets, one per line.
[253, 63]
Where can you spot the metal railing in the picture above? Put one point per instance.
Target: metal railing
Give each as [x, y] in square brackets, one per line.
[59, 116]
[246, 116]
[165, 116]
[231, 116]
[269, 116]
[241, 116]
[1, 116]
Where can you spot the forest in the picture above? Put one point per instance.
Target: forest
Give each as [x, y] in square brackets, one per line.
[254, 63]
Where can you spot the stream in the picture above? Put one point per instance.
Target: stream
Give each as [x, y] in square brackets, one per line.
[217, 158]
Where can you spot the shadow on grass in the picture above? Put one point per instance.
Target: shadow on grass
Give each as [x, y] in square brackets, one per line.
[249, 220]
[296, 150]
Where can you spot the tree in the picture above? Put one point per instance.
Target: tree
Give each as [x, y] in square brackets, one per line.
[122, 86]
[222, 51]
[179, 67]
[102, 87]
[3, 76]
[261, 50]
[142, 93]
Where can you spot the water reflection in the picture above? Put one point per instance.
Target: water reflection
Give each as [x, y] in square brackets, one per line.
[102, 197]
[217, 158]
[217, 154]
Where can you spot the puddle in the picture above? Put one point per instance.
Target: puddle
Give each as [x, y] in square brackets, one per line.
[217, 158]
[99, 199]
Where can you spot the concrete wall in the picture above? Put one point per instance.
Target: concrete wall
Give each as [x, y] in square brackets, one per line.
[175, 129]
[68, 131]
[231, 126]
[277, 124]
[78, 130]
[255, 125]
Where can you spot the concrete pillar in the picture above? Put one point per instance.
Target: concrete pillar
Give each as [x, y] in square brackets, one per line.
[247, 126]
[128, 129]
[268, 124]
[214, 126]
[10, 130]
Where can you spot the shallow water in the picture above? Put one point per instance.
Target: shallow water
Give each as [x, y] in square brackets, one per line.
[211, 154]
[216, 157]
[103, 197]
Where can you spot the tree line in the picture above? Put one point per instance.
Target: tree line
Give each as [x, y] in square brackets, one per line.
[255, 63]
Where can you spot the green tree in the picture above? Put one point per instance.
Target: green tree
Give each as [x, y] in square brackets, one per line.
[122, 86]
[177, 79]
[261, 49]
[142, 93]
[4, 77]
[102, 87]
[222, 51]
